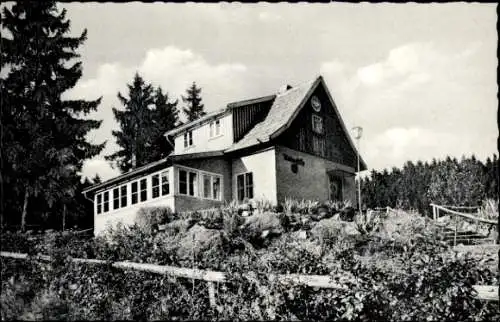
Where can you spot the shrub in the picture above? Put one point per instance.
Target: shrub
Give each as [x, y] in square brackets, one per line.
[149, 218]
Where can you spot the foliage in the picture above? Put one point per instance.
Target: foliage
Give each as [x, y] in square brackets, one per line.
[406, 275]
[448, 182]
[149, 218]
[147, 116]
[367, 222]
[194, 109]
[44, 136]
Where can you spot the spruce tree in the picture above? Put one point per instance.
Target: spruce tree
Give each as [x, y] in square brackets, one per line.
[166, 118]
[194, 107]
[135, 125]
[43, 136]
[148, 114]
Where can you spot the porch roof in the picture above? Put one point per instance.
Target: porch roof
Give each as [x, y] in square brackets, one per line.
[169, 160]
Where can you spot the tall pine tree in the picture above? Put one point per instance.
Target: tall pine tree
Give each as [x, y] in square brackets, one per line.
[194, 107]
[43, 136]
[147, 116]
[166, 117]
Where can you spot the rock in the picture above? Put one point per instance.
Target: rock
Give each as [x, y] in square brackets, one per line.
[350, 229]
[198, 239]
[327, 228]
[300, 234]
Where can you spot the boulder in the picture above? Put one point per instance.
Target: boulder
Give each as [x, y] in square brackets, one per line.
[198, 239]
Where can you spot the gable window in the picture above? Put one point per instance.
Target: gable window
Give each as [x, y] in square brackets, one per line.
[244, 185]
[165, 185]
[123, 196]
[156, 185]
[106, 201]
[144, 189]
[99, 203]
[317, 124]
[188, 139]
[135, 198]
[116, 198]
[214, 128]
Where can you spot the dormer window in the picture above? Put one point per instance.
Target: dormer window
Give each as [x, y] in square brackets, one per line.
[214, 128]
[188, 139]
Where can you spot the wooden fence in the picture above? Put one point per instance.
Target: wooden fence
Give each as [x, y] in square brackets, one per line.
[438, 210]
[489, 293]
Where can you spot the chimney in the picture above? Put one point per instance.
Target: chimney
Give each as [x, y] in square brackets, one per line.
[284, 88]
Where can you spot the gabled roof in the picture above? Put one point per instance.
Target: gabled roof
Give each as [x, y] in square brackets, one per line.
[284, 110]
[251, 101]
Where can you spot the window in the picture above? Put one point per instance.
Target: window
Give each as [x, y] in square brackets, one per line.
[211, 186]
[123, 195]
[215, 128]
[207, 186]
[317, 124]
[216, 188]
[144, 189]
[106, 201]
[99, 203]
[156, 185]
[116, 198]
[135, 198]
[188, 139]
[165, 186]
[183, 182]
[193, 184]
[244, 184]
[319, 145]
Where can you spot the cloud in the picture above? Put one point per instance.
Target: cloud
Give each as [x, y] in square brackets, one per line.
[172, 68]
[421, 101]
[98, 166]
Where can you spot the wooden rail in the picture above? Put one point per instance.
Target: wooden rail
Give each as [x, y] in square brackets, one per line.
[489, 293]
[461, 214]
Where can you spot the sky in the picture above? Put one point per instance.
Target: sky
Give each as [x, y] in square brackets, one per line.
[419, 78]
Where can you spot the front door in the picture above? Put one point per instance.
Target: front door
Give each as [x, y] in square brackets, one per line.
[335, 185]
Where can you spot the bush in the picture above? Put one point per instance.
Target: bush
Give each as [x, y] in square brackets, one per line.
[408, 275]
[149, 218]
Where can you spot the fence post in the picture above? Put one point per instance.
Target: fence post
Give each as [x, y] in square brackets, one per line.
[211, 293]
[434, 216]
[456, 229]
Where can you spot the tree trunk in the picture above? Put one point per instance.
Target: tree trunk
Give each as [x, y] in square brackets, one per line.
[25, 209]
[64, 217]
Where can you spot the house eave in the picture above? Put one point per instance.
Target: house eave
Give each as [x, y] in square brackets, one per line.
[199, 122]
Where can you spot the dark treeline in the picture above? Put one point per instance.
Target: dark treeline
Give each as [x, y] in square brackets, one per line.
[467, 182]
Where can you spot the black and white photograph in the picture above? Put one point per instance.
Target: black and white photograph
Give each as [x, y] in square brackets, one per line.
[249, 161]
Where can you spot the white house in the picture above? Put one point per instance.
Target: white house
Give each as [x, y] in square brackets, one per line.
[291, 144]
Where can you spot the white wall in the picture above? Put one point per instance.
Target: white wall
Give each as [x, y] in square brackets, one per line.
[263, 167]
[202, 142]
[311, 180]
[127, 214]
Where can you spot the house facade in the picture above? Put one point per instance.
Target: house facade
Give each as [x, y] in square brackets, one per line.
[292, 144]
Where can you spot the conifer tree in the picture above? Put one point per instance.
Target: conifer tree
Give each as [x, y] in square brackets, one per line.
[166, 118]
[147, 116]
[194, 107]
[44, 142]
